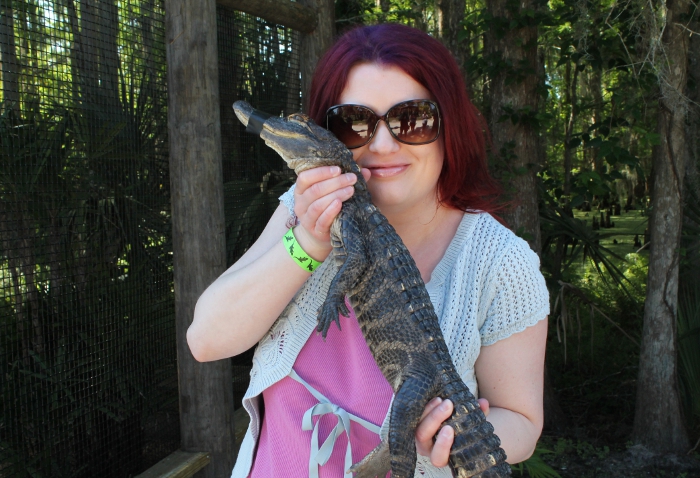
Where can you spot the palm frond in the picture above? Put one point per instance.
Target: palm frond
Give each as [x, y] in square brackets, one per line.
[582, 242]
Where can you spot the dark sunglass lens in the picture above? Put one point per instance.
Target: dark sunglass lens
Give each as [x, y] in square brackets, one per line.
[414, 122]
[349, 124]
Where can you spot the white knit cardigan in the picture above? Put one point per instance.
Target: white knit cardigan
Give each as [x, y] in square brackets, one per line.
[486, 287]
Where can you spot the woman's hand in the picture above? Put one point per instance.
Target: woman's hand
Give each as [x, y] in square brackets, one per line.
[435, 413]
[318, 197]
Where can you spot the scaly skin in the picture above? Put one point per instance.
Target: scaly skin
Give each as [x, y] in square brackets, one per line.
[378, 275]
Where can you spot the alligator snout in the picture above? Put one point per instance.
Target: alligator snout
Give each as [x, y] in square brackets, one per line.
[252, 119]
[243, 110]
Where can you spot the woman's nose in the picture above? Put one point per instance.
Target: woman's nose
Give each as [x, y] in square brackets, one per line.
[383, 142]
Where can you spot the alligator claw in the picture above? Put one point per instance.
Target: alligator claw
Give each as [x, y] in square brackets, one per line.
[330, 312]
[376, 463]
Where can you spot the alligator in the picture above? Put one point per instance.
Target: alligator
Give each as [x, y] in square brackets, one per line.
[384, 287]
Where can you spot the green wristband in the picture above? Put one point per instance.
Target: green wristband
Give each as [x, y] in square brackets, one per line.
[297, 253]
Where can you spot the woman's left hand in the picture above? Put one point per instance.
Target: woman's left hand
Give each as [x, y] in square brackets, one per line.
[435, 413]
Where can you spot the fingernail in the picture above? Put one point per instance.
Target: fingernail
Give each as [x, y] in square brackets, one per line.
[349, 190]
[351, 177]
[335, 170]
[445, 406]
[446, 432]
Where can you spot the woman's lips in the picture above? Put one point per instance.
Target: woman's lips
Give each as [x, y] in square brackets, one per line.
[387, 171]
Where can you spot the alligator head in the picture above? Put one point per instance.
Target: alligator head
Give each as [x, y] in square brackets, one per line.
[301, 142]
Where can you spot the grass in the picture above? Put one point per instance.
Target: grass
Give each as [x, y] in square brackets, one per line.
[620, 239]
[627, 225]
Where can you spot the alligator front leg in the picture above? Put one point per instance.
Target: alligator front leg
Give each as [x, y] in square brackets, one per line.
[349, 253]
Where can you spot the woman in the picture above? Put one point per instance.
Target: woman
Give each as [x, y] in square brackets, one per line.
[435, 190]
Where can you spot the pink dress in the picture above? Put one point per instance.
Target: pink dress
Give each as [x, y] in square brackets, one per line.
[342, 371]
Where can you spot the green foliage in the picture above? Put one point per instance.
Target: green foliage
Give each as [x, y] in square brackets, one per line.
[84, 240]
[421, 14]
[87, 304]
[535, 466]
[593, 350]
[618, 304]
[583, 449]
[572, 240]
[248, 204]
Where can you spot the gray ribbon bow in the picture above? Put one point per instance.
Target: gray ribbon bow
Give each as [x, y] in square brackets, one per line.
[320, 456]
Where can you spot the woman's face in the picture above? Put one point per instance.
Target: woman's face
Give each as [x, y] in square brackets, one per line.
[404, 177]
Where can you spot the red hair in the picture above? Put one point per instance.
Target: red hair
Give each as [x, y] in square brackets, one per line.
[465, 182]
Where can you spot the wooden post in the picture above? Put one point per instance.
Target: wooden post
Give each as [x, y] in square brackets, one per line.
[206, 389]
[314, 44]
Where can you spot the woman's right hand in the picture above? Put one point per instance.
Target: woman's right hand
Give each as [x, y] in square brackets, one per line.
[318, 198]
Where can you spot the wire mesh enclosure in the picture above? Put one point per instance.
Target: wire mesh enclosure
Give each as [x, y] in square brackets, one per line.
[88, 378]
[258, 63]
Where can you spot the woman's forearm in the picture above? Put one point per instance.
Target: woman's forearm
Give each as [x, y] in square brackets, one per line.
[239, 307]
[236, 310]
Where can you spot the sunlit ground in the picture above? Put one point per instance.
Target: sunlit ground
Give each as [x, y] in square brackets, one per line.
[620, 239]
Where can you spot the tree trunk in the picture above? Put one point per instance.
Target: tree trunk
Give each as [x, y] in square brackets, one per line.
[75, 52]
[596, 86]
[514, 92]
[10, 66]
[693, 126]
[571, 99]
[384, 5]
[418, 7]
[148, 9]
[314, 44]
[658, 422]
[88, 57]
[34, 34]
[109, 56]
[199, 250]
[451, 14]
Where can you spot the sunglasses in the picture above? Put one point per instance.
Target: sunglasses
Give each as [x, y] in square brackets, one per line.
[410, 122]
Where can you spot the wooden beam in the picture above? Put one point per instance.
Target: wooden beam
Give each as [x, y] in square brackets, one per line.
[314, 45]
[179, 464]
[283, 12]
[199, 249]
[242, 421]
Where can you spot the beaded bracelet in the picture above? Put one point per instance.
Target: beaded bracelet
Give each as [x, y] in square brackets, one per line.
[297, 253]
